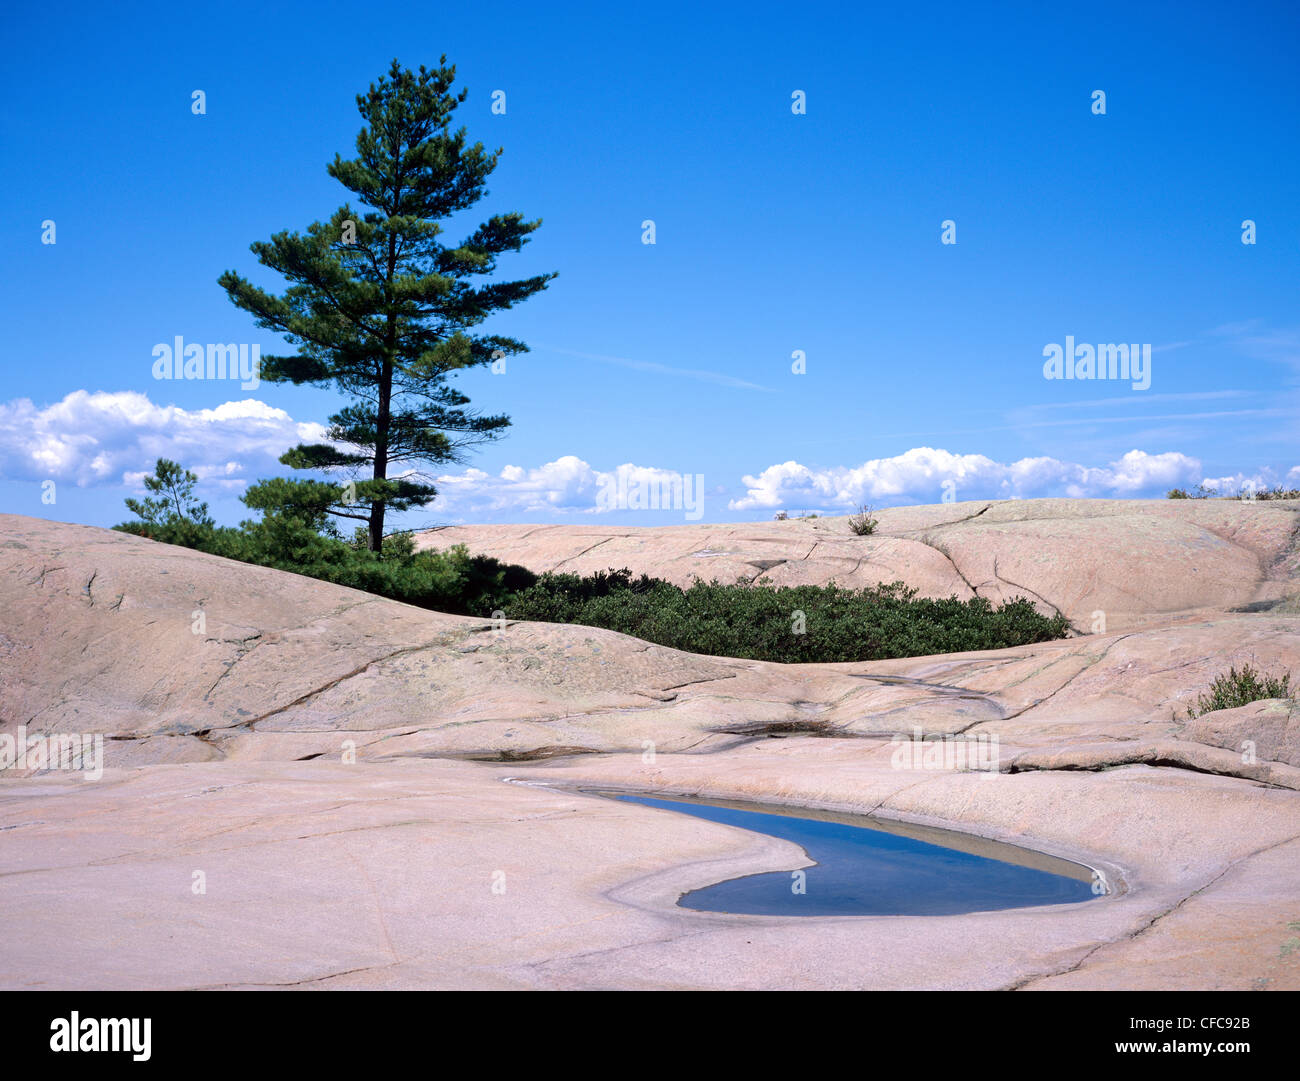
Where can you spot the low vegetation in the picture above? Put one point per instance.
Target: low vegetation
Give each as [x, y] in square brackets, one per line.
[758, 622]
[862, 523]
[1240, 688]
[1246, 492]
[788, 623]
[295, 534]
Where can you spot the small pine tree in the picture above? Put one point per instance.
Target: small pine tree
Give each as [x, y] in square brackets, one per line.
[176, 504]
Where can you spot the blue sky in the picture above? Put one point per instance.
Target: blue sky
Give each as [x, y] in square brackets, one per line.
[775, 232]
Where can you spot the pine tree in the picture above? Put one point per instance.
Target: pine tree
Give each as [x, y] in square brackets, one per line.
[177, 503]
[382, 309]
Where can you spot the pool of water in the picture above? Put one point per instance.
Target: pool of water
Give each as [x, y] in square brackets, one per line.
[870, 867]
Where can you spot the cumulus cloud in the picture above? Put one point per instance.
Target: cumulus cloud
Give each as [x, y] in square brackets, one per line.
[572, 485]
[567, 484]
[115, 438]
[1234, 483]
[922, 475]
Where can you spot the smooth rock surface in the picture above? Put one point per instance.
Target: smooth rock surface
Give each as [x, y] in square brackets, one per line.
[437, 858]
[1135, 560]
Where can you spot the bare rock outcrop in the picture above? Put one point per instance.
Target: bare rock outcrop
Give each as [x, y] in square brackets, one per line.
[1132, 562]
[352, 775]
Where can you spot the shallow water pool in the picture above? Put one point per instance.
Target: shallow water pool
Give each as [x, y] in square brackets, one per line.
[870, 867]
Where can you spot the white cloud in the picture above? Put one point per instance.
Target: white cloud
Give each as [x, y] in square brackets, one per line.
[1233, 483]
[570, 484]
[567, 484]
[563, 483]
[115, 437]
[919, 475]
[105, 438]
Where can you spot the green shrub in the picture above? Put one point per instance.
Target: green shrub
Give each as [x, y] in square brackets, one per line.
[447, 581]
[1241, 688]
[1199, 492]
[757, 622]
[862, 523]
[751, 622]
[1245, 493]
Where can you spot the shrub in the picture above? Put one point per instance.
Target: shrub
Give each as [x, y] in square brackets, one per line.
[1241, 688]
[862, 523]
[1199, 492]
[446, 581]
[756, 622]
[1245, 493]
[1278, 492]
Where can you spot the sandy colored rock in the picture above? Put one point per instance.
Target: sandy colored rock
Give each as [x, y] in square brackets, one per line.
[229, 752]
[1268, 730]
[1136, 561]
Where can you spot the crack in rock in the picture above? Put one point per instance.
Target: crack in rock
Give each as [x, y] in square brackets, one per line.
[1140, 931]
[332, 683]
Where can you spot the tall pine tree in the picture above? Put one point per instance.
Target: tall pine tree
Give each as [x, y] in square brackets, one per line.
[382, 309]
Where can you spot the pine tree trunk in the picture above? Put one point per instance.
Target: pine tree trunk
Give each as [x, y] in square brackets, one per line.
[381, 456]
[385, 393]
